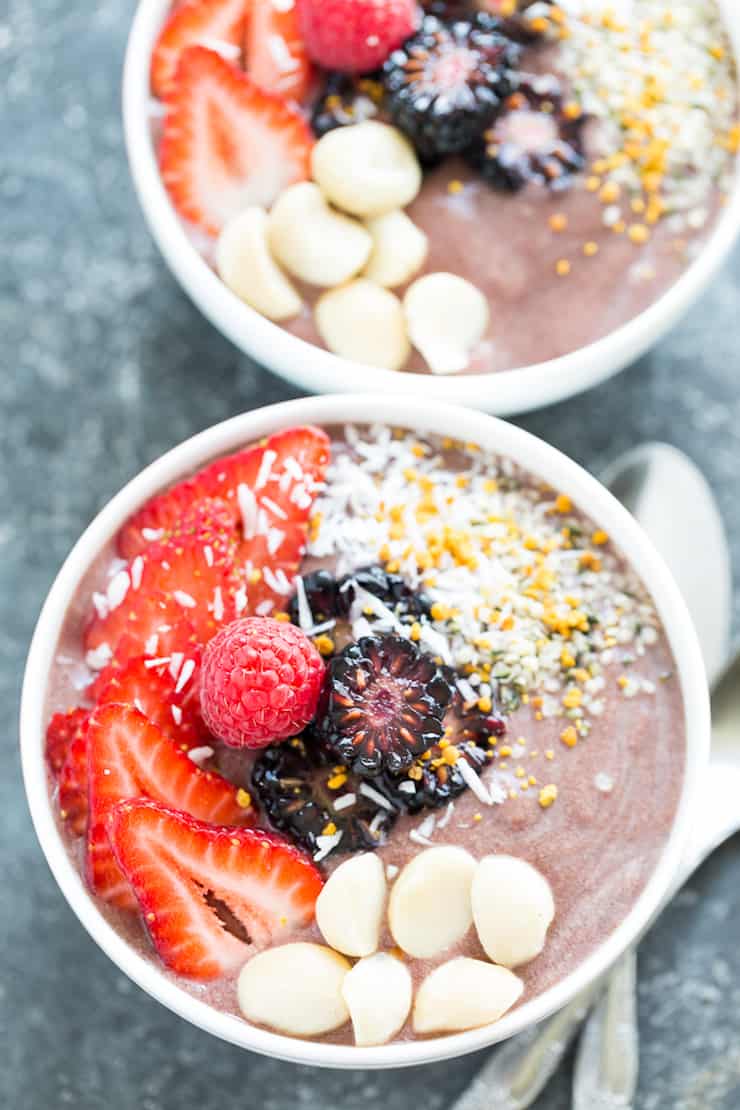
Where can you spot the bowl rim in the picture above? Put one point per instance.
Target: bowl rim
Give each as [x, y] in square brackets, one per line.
[430, 416]
[317, 370]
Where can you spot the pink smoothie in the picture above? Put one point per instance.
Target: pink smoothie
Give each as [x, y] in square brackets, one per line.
[617, 794]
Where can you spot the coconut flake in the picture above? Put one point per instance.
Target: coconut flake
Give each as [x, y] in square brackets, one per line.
[118, 587]
[305, 616]
[137, 569]
[274, 508]
[248, 508]
[325, 845]
[263, 474]
[374, 795]
[346, 801]
[99, 657]
[186, 673]
[200, 755]
[184, 599]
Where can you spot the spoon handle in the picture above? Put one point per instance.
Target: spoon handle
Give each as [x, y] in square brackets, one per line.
[519, 1069]
[607, 1063]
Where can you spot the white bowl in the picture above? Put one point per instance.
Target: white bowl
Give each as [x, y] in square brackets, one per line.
[494, 435]
[319, 371]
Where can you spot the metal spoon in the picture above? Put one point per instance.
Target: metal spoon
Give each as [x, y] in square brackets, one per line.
[649, 481]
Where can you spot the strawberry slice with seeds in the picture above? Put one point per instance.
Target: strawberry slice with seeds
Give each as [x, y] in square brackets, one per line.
[60, 733]
[152, 688]
[297, 455]
[276, 53]
[129, 756]
[209, 896]
[226, 143]
[73, 782]
[178, 590]
[196, 22]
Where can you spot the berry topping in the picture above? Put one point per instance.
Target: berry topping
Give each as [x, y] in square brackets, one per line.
[269, 491]
[383, 703]
[260, 682]
[60, 734]
[328, 598]
[226, 143]
[208, 894]
[355, 36]
[276, 54]
[444, 85]
[531, 140]
[187, 578]
[191, 23]
[344, 100]
[316, 803]
[73, 782]
[128, 756]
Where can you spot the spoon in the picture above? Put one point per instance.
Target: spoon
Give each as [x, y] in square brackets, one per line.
[648, 480]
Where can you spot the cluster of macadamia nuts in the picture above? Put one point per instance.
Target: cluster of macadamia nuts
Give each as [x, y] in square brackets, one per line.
[307, 990]
[346, 231]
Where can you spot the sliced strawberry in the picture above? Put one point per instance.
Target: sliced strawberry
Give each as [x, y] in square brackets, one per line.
[128, 756]
[302, 452]
[194, 23]
[60, 733]
[153, 688]
[276, 54]
[227, 144]
[73, 783]
[186, 578]
[209, 896]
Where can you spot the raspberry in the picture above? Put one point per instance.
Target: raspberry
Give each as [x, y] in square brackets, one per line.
[355, 36]
[260, 682]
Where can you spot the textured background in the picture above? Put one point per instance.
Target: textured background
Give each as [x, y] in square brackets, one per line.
[106, 365]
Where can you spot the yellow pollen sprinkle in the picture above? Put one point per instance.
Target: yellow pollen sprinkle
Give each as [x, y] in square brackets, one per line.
[599, 538]
[281, 616]
[562, 267]
[254, 576]
[415, 632]
[283, 921]
[151, 917]
[415, 772]
[455, 186]
[484, 704]
[566, 659]
[622, 681]
[609, 192]
[439, 612]
[243, 798]
[573, 699]
[329, 829]
[619, 227]
[590, 249]
[589, 561]
[558, 221]
[638, 233]
[477, 817]
[593, 184]
[548, 794]
[393, 566]
[324, 644]
[513, 793]
[569, 736]
[563, 503]
[520, 772]
[336, 781]
[571, 110]
[451, 755]
[504, 751]
[532, 780]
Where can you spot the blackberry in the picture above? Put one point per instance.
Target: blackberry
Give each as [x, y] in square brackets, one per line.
[435, 779]
[330, 598]
[345, 99]
[322, 595]
[531, 139]
[292, 782]
[383, 704]
[444, 84]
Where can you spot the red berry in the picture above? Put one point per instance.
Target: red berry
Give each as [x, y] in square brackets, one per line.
[190, 24]
[260, 682]
[209, 895]
[355, 36]
[128, 757]
[226, 143]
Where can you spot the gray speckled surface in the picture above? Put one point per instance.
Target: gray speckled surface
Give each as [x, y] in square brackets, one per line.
[105, 365]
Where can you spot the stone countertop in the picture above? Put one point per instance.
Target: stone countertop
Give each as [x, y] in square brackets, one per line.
[106, 365]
